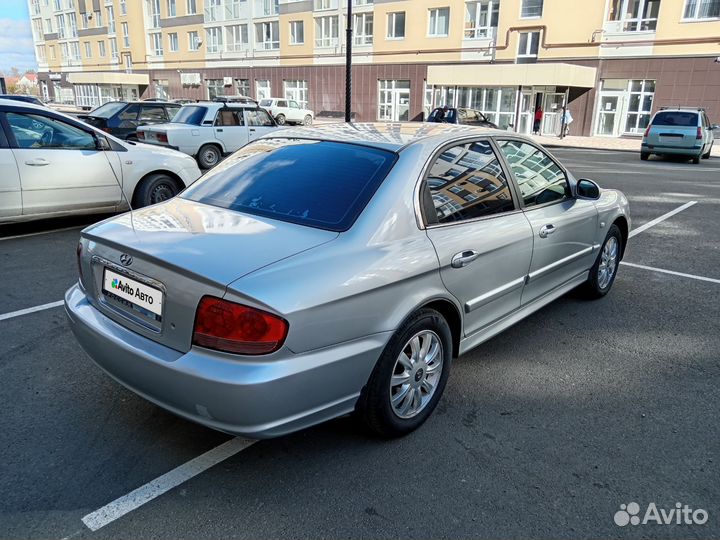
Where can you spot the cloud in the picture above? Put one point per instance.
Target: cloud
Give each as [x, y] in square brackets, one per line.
[16, 45]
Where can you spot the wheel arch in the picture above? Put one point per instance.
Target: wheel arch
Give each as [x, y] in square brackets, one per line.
[622, 224]
[451, 314]
[180, 184]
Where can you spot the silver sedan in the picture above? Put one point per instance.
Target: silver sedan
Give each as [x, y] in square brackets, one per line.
[320, 271]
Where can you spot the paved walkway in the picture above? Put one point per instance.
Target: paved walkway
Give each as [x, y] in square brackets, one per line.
[604, 143]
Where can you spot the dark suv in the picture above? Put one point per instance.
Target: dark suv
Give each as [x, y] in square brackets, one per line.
[121, 118]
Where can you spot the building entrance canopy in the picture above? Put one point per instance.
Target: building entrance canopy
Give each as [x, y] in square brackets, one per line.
[539, 74]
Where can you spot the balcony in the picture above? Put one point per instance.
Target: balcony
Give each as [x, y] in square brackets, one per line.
[215, 13]
[323, 5]
[481, 32]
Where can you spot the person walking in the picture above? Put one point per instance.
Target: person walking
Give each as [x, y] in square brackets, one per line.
[538, 119]
[567, 119]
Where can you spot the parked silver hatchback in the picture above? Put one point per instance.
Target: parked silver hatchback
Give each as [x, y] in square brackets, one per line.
[320, 271]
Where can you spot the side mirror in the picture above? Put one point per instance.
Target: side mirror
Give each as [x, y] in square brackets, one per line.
[103, 144]
[715, 127]
[587, 189]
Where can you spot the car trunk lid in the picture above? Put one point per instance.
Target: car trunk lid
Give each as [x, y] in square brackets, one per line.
[177, 252]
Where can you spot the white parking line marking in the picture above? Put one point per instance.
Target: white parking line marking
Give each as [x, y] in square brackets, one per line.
[660, 219]
[671, 272]
[18, 313]
[133, 500]
[41, 232]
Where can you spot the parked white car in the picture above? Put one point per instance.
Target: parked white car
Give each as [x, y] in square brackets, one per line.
[287, 110]
[209, 130]
[52, 165]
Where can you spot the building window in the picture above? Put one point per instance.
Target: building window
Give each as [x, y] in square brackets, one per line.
[702, 9]
[363, 28]
[481, 19]
[267, 35]
[232, 8]
[326, 31]
[111, 19]
[214, 39]
[157, 43]
[101, 49]
[497, 104]
[161, 89]
[60, 21]
[635, 15]
[640, 104]
[48, 26]
[325, 4]
[529, 44]
[439, 22]
[72, 19]
[36, 7]
[52, 52]
[37, 30]
[297, 32]
[88, 49]
[172, 8]
[531, 9]
[267, 8]
[98, 19]
[262, 89]
[297, 91]
[123, 7]
[173, 42]
[215, 88]
[113, 48]
[153, 9]
[236, 37]
[58, 5]
[191, 7]
[242, 87]
[396, 25]
[41, 53]
[193, 41]
[126, 35]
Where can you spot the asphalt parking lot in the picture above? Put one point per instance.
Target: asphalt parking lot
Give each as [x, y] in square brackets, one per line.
[543, 432]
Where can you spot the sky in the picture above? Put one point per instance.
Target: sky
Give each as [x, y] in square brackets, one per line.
[16, 43]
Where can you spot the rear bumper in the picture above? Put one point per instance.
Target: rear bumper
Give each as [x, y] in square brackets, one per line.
[675, 150]
[238, 395]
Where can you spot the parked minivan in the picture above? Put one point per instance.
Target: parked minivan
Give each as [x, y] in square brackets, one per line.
[680, 131]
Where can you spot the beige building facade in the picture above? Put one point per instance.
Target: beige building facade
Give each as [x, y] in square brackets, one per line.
[611, 62]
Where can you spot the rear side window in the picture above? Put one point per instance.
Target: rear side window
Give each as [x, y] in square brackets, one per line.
[190, 115]
[319, 184]
[466, 182]
[265, 102]
[676, 118]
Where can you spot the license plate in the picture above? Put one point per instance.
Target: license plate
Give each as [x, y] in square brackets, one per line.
[133, 291]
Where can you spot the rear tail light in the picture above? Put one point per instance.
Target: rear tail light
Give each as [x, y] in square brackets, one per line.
[699, 133]
[141, 135]
[647, 130]
[78, 252]
[162, 137]
[234, 328]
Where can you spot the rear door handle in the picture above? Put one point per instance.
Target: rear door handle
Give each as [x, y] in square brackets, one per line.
[39, 162]
[218, 130]
[464, 258]
[547, 230]
[252, 129]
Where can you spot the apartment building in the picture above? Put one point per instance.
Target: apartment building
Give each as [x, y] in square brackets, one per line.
[613, 62]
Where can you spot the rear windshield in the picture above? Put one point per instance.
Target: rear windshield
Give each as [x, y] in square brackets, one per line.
[107, 110]
[190, 114]
[676, 118]
[320, 184]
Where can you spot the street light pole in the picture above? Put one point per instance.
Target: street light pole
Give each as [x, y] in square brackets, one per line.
[348, 62]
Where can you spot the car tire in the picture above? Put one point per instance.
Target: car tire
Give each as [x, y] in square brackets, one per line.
[603, 272]
[381, 405]
[307, 121]
[153, 189]
[696, 160]
[706, 155]
[644, 156]
[208, 156]
[280, 119]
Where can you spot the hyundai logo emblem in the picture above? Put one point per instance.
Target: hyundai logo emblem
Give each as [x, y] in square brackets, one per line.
[126, 259]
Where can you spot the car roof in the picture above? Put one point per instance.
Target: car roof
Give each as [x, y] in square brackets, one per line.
[21, 103]
[388, 136]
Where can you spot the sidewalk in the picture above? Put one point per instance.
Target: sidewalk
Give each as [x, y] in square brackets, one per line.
[600, 143]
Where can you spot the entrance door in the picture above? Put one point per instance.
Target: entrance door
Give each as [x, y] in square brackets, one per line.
[394, 101]
[527, 111]
[609, 114]
[553, 114]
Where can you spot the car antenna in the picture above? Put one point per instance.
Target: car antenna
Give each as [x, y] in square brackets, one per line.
[104, 145]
